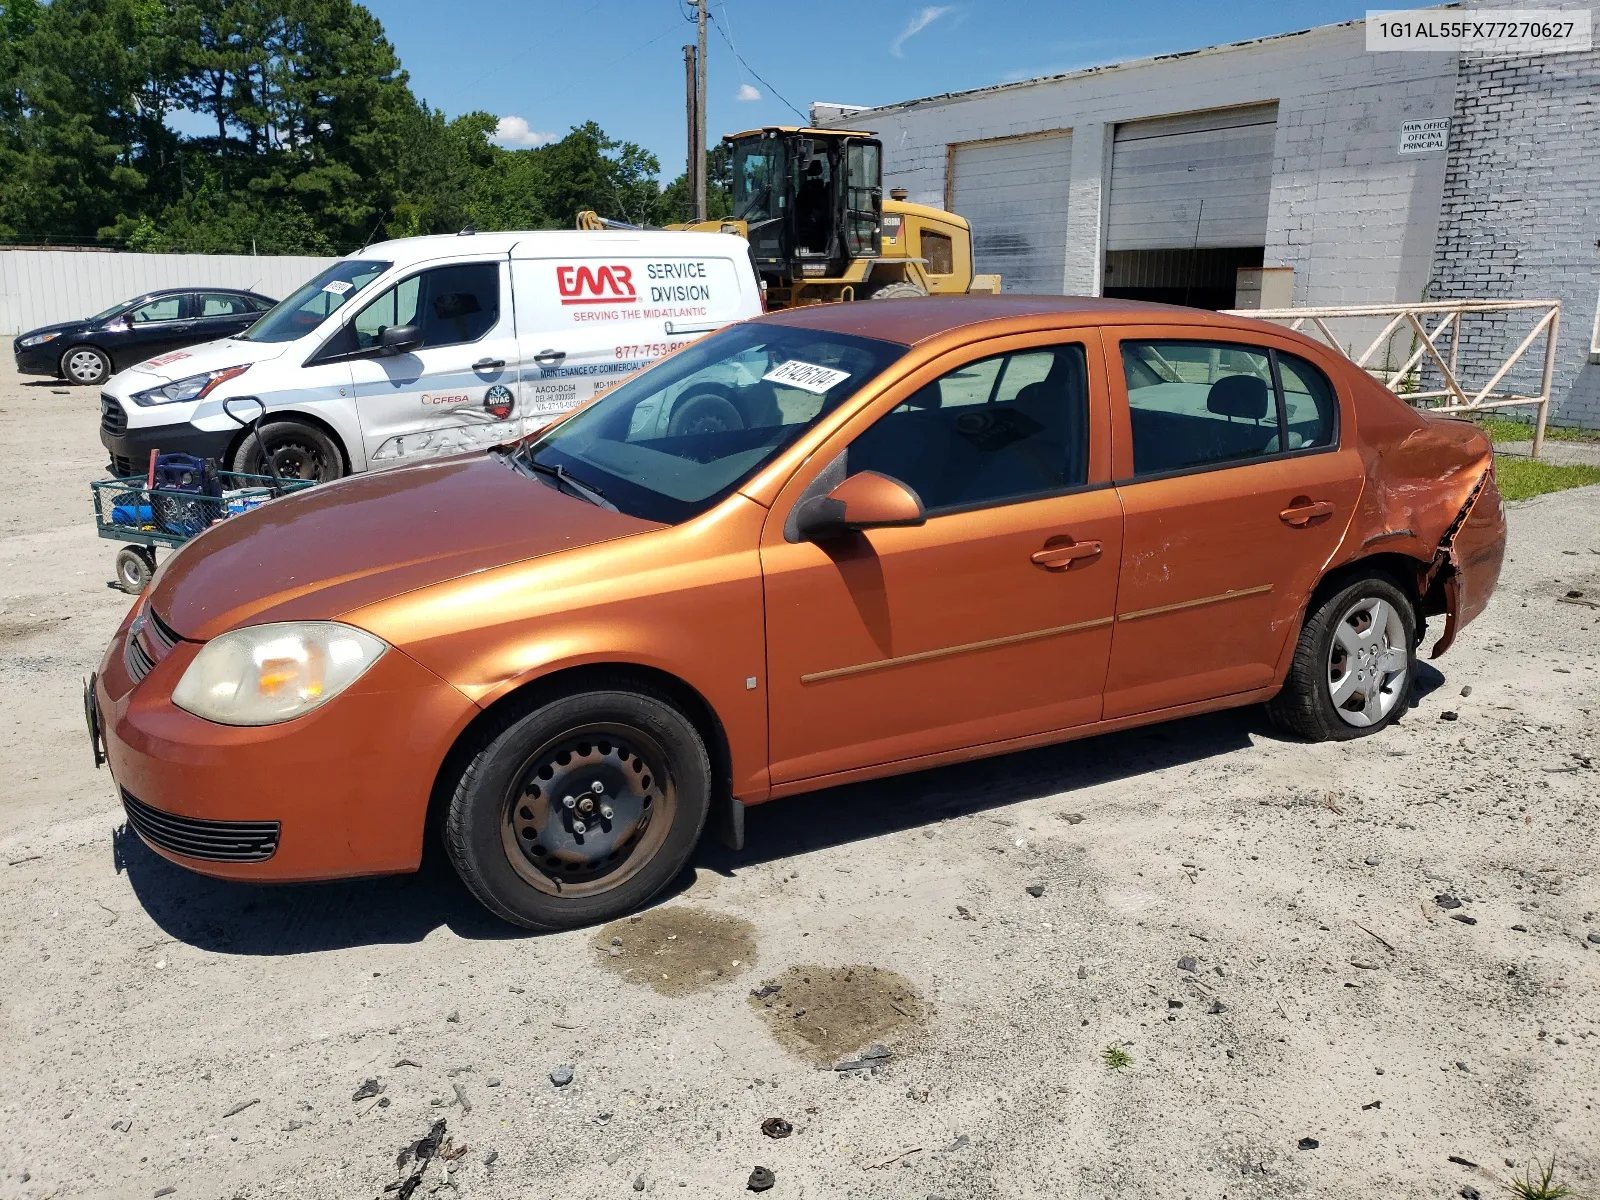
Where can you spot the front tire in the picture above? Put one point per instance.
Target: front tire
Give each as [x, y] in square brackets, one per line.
[86, 366]
[901, 290]
[1353, 666]
[299, 451]
[582, 810]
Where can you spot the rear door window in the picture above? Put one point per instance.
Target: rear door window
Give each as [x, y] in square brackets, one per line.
[220, 304]
[1310, 410]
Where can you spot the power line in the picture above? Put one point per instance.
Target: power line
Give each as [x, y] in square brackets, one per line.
[803, 117]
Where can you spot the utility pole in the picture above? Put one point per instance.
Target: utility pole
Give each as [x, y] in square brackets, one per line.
[699, 149]
[694, 163]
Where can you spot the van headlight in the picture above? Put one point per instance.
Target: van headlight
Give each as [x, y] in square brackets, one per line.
[264, 674]
[195, 387]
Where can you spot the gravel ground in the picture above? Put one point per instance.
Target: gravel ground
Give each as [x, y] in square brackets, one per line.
[1385, 947]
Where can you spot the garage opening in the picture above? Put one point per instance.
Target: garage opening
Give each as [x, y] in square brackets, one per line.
[1188, 205]
[1014, 193]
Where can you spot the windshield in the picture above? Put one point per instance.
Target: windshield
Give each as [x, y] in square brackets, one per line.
[111, 312]
[758, 179]
[314, 301]
[675, 440]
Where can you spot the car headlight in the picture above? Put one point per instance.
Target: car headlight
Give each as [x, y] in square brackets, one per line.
[195, 387]
[264, 674]
[40, 339]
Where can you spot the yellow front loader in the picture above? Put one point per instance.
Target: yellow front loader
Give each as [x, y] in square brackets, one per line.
[810, 203]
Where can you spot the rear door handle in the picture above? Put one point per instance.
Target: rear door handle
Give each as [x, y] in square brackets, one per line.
[488, 364]
[1302, 511]
[549, 356]
[1053, 558]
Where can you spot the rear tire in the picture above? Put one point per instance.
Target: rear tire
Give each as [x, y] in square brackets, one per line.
[900, 290]
[300, 451]
[1353, 666]
[640, 779]
[85, 366]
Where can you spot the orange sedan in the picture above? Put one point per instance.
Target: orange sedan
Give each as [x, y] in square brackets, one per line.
[830, 544]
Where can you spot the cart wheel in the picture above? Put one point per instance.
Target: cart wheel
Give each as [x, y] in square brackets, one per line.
[135, 565]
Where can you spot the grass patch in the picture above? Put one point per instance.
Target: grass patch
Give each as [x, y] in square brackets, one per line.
[1116, 1057]
[1538, 1183]
[1520, 478]
[1509, 429]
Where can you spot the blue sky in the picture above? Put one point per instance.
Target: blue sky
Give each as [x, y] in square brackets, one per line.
[546, 66]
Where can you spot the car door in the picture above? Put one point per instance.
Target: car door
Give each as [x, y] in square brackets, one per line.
[1235, 493]
[221, 314]
[989, 622]
[159, 325]
[454, 391]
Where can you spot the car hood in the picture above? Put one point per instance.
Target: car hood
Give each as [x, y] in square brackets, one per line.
[336, 547]
[193, 360]
[58, 327]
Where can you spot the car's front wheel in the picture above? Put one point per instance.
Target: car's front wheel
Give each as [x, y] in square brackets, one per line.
[1353, 667]
[85, 366]
[582, 810]
[299, 451]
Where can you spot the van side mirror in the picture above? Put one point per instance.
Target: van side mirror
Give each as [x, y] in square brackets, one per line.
[864, 501]
[399, 339]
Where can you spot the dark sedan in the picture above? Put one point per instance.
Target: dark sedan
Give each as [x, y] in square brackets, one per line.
[90, 351]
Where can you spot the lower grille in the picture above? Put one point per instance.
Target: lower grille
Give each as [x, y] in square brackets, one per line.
[113, 417]
[214, 841]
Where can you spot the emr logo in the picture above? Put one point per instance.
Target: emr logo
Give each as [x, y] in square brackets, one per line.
[596, 285]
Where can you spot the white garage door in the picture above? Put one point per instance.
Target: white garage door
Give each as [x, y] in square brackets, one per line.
[1014, 192]
[1196, 180]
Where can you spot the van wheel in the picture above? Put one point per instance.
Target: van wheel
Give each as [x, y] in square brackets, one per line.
[135, 566]
[85, 365]
[582, 810]
[900, 290]
[299, 451]
[1352, 669]
[704, 412]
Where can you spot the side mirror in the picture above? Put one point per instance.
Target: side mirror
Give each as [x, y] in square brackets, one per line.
[399, 339]
[865, 501]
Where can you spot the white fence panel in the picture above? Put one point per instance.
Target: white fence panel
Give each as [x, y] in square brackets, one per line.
[41, 287]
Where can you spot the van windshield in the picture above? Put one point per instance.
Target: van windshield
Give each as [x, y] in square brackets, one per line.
[683, 435]
[314, 301]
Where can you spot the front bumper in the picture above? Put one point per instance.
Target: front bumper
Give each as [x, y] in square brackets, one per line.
[342, 791]
[43, 359]
[130, 446]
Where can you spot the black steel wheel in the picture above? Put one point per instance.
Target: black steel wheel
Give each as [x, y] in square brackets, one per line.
[299, 451]
[581, 810]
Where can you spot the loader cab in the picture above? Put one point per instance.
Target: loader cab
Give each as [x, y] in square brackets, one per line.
[812, 200]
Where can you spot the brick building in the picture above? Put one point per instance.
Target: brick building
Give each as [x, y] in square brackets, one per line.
[1377, 177]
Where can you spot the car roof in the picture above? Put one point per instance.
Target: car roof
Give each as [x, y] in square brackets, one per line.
[553, 243]
[910, 321]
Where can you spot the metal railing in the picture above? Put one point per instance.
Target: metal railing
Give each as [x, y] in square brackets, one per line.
[1440, 343]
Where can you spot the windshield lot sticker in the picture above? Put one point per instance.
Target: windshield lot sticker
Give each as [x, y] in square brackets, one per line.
[337, 286]
[805, 376]
[444, 399]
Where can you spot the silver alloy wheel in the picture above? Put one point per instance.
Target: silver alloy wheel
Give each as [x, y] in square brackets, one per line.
[1369, 662]
[85, 366]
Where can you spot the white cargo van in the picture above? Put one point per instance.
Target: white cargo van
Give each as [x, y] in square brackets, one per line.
[430, 345]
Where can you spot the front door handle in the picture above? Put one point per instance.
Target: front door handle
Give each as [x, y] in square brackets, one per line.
[488, 364]
[1059, 557]
[549, 356]
[1303, 510]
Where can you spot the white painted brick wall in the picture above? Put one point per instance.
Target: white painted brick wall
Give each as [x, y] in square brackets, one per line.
[1521, 212]
[1353, 216]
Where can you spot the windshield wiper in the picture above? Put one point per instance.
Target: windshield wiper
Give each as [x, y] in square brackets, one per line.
[584, 491]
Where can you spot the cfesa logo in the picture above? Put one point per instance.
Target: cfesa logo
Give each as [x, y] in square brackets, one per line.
[596, 285]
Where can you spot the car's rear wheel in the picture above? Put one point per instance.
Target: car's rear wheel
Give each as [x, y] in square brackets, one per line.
[299, 451]
[85, 365]
[582, 810]
[1354, 664]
